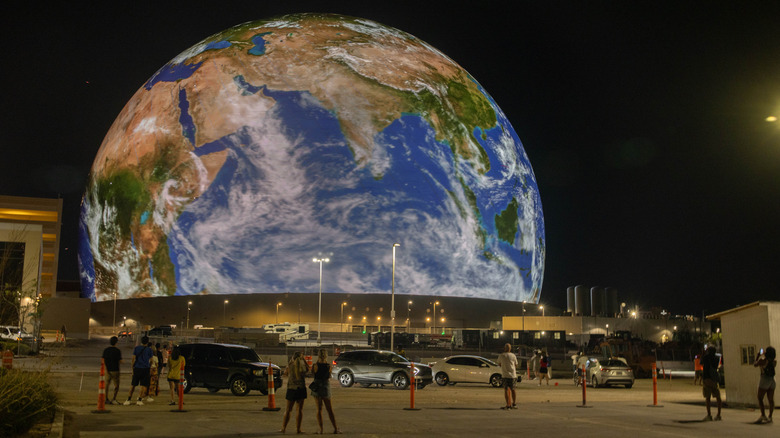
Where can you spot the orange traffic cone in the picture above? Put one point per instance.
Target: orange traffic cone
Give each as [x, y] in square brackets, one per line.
[271, 391]
[412, 385]
[181, 389]
[101, 406]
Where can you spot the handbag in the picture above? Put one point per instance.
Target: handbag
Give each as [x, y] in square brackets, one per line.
[314, 385]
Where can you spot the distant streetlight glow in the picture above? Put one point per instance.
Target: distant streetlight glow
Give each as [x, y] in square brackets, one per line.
[771, 119]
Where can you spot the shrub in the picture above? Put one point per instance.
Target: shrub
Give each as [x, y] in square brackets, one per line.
[25, 397]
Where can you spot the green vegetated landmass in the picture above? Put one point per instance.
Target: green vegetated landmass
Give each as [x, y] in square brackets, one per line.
[126, 193]
[163, 267]
[506, 222]
[458, 113]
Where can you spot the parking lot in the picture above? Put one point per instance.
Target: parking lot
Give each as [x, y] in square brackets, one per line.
[443, 411]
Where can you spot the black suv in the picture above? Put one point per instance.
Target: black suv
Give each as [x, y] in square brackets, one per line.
[221, 366]
[163, 330]
[369, 367]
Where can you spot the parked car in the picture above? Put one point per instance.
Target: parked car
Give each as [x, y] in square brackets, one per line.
[13, 333]
[125, 334]
[226, 366]
[379, 367]
[467, 369]
[163, 330]
[606, 372]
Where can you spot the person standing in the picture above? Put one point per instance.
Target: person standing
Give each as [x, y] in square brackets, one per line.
[176, 364]
[534, 360]
[711, 377]
[296, 389]
[112, 357]
[767, 361]
[508, 362]
[544, 363]
[142, 356]
[697, 370]
[321, 389]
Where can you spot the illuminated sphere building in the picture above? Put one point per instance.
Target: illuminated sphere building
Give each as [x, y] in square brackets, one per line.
[311, 136]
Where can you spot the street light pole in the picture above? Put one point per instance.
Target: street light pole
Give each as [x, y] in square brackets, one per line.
[392, 302]
[434, 316]
[542, 309]
[277, 311]
[342, 316]
[224, 311]
[189, 303]
[409, 316]
[319, 312]
[115, 313]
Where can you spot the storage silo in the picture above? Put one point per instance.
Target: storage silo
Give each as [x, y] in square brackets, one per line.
[597, 301]
[613, 307]
[581, 300]
[570, 300]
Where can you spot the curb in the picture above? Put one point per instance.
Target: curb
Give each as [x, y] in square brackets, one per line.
[58, 425]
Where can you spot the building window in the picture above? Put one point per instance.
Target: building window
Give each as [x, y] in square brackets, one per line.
[516, 335]
[537, 335]
[557, 335]
[495, 335]
[748, 354]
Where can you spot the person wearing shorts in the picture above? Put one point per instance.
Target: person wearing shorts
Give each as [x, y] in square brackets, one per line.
[142, 356]
[112, 357]
[710, 364]
[767, 361]
[508, 362]
[296, 389]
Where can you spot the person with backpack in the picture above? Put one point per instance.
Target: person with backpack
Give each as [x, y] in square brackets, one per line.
[767, 361]
[142, 356]
[544, 364]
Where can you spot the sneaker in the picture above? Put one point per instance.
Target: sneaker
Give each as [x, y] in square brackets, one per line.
[514, 406]
[762, 419]
[506, 408]
[707, 418]
[127, 402]
[139, 403]
[149, 399]
[108, 402]
[717, 418]
[172, 403]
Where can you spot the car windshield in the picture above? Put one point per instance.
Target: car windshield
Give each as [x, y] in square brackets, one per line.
[244, 355]
[490, 362]
[613, 363]
[395, 358]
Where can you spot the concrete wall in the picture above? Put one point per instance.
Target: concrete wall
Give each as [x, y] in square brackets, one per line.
[73, 313]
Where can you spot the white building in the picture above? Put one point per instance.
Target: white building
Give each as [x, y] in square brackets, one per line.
[745, 330]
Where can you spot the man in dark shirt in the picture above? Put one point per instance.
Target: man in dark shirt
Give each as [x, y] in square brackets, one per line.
[710, 364]
[112, 357]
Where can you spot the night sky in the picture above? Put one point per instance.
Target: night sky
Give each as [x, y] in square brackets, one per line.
[645, 122]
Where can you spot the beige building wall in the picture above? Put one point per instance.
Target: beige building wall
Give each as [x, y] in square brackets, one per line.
[30, 234]
[755, 325]
[45, 216]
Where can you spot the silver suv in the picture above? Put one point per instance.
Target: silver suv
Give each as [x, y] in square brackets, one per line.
[12, 333]
[369, 367]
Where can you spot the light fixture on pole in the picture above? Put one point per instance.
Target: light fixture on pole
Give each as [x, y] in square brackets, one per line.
[189, 303]
[408, 316]
[542, 309]
[319, 311]
[277, 311]
[434, 316]
[392, 301]
[224, 310]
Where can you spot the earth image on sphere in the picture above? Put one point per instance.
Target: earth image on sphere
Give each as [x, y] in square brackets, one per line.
[313, 135]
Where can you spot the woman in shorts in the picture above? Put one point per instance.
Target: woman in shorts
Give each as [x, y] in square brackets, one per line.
[175, 369]
[321, 389]
[296, 389]
[767, 361]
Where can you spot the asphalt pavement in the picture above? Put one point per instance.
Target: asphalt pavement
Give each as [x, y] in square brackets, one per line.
[462, 409]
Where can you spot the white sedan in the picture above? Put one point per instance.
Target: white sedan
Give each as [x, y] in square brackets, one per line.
[466, 369]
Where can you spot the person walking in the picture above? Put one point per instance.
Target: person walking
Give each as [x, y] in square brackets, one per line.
[296, 389]
[141, 364]
[320, 389]
[176, 364]
[508, 362]
[154, 371]
[534, 360]
[711, 377]
[767, 361]
[112, 357]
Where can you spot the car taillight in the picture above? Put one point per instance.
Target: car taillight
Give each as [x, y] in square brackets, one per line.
[334, 361]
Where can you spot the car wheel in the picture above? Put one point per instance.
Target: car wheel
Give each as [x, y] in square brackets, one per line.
[400, 380]
[239, 386]
[594, 382]
[213, 390]
[185, 384]
[495, 380]
[346, 379]
[442, 379]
